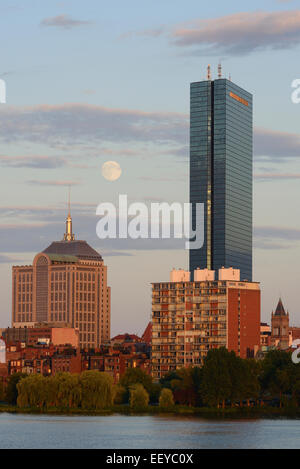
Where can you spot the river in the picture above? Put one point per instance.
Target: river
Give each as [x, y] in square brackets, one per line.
[153, 432]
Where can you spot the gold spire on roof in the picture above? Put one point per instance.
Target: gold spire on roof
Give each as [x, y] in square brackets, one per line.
[69, 236]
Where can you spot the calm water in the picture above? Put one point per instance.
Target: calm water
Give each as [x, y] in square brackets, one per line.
[120, 432]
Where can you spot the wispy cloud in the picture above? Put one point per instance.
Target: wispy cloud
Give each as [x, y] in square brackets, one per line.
[63, 22]
[43, 162]
[275, 237]
[275, 145]
[84, 123]
[116, 253]
[277, 232]
[276, 176]
[4, 259]
[101, 131]
[236, 34]
[38, 182]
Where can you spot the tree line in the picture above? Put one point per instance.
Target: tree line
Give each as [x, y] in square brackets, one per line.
[228, 380]
[223, 380]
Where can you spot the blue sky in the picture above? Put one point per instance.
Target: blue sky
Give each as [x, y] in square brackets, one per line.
[94, 81]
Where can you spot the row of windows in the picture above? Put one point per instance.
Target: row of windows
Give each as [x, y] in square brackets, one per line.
[86, 327]
[85, 286]
[25, 298]
[25, 287]
[24, 317]
[85, 317]
[24, 308]
[25, 277]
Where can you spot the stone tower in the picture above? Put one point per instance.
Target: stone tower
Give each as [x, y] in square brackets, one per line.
[280, 327]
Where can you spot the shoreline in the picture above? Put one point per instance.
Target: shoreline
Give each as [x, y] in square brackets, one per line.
[184, 411]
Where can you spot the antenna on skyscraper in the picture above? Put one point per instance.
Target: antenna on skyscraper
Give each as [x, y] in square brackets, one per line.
[69, 200]
[220, 70]
[208, 73]
[229, 77]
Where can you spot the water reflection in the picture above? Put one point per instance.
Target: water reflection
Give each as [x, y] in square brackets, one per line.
[121, 432]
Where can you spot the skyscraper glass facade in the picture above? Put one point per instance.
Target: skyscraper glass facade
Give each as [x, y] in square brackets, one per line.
[221, 160]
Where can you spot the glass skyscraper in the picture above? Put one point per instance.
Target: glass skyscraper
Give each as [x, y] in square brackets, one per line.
[221, 161]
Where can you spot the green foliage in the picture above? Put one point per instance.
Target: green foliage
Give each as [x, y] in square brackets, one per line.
[90, 390]
[166, 399]
[154, 393]
[2, 392]
[139, 397]
[279, 375]
[134, 376]
[216, 386]
[166, 380]
[96, 389]
[185, 384]
[224, 380]
[226, 377]
[119, 394]
[64, 390]
[11, 389]
[32, 391]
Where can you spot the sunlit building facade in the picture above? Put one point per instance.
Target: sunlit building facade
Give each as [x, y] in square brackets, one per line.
[189, 318]
[221, 160]
[66, 284]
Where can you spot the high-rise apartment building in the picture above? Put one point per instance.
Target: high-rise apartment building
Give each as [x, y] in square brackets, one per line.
[221, 173]
[67, 283]
[189, 318]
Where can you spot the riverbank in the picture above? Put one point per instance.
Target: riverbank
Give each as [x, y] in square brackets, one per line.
[207, 413]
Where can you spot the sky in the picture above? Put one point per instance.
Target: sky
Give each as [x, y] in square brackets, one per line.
[95, 81]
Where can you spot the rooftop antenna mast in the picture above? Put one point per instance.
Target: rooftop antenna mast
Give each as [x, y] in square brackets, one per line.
[220, 70]
[208, 73]
[69, 236]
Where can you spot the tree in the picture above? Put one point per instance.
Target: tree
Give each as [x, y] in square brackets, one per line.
[134, 376]
[32, 391]
[11, 389]
[216, 387]
[139, 397]
[96, 390]
[166, 379]
[119, 394]
[276, 376]
[250, 380]
[184, 387]
[2, 391]
[166, 399]
[67, 388]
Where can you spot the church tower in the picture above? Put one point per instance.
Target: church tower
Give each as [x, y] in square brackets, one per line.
[280, 327]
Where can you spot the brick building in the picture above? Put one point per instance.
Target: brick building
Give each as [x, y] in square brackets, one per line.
[116, 362]
[27, 352]
[265, 334]
[189, 318]
[42, 334]
[67, 283]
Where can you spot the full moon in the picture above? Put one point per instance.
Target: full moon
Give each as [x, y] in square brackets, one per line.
[111, 170]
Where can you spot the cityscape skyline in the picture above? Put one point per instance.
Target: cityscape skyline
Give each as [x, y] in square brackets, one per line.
[142, 123]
